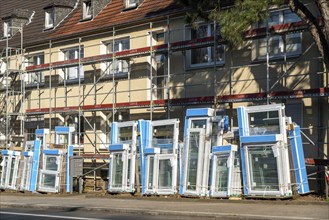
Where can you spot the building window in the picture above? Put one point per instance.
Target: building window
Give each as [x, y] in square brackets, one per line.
[49, 18]
[36, 77]
[117, 66]
[86, 10]
[279, 45]
[130, 3]
[205, 56]
[71, 73]
[6, 29]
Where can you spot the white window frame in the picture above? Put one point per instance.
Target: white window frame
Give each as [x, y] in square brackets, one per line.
[26, 175]
[72, 73]
[6, 29]
[87, 9]
[49, 18]
[130, 3]
[282, 171]
[35, 77]
[282, 47]
[107, 48]
[128, 154]
[50, 172]
[5, 161]
[124, 158]
[198, 181]
[210, 62]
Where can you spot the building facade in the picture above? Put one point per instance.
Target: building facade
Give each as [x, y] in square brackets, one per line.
[87, 63]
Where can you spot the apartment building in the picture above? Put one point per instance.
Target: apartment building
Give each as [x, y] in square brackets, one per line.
[87, 63]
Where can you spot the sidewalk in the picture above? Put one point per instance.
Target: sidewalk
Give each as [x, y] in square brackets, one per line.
[202, 208]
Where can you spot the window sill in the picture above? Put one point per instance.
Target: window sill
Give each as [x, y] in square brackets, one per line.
[48, 28]
[205, 66]
[130, 7]
[71, 81]
[86, 19]
[276, 58]
[120, 75]
[34, 85]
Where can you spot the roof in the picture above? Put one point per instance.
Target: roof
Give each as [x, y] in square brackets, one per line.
[33, 33]
[114, 15]
[111, 15]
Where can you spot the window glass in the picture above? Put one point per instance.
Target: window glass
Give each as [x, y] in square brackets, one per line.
[205, 55]
[221, 172]
[192, 163]
[35, 77]
[279, 45]
[163, 138]
[73, 54]
[261, 123]
[117, 170]
[150, 173]
[125, 134]
[49, 18]
[4, 165]
[117, 66]
[263, 169]
[6, 29]
[165, 174]
[87, 10]
[48, 180]
[51, 163]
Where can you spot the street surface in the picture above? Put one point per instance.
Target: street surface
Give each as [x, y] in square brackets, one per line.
[40, 206]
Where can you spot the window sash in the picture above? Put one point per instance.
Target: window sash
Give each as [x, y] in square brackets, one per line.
[117, 66]
[278, 46]
[49, 18]
[204, 56]
[6, 29]
[71, 54]
[130, 3]
[36, 77]
[87, 10]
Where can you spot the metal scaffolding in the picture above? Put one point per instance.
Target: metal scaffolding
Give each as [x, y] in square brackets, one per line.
[85, 112]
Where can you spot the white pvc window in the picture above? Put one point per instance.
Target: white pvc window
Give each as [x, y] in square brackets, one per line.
[12, 172]
[194, 157]
[165, 174]
[50, 173]
[73, 54]
[278, 46]
[35, 77]
[116, 66]
[6, 29]
[263, 169]
[117, 170]
[4, 165]
[49, 18]
[222, 171]
[261, 123]
[87, 10]
[204, 56]
[130, 3]
[163, 138]
[26, 175]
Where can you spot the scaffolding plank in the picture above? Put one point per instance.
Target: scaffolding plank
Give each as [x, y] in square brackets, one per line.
[175, 46]
[306, 93]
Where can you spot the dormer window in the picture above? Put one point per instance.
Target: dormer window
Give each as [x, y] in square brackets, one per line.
[49, 18]
[6, 29]
[86, 10]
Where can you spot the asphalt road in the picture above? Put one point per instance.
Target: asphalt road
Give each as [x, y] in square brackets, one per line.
[39, 214]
